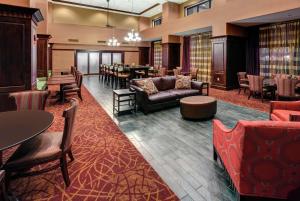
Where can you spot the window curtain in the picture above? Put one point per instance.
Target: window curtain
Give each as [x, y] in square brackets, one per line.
[252, 51]
[200, 55]
[157, 57]
[186, 54]
[280, 49]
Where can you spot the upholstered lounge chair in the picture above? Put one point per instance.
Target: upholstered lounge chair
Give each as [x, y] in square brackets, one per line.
[43, 149]
[261, 157]
[30, 100]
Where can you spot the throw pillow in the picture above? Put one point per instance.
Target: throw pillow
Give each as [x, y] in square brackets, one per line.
[148, 86]
[183, 82]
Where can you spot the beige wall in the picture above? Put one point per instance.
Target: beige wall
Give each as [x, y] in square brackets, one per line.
[24, 3]
[221, 13]
[131, 57]
[64, 54]
[81, 16]
[62, 60]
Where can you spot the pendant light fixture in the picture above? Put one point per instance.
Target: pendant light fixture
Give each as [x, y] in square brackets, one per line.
[132, 36]
[113, 41]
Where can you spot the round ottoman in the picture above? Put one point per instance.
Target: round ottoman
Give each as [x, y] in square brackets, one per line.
[198, 107]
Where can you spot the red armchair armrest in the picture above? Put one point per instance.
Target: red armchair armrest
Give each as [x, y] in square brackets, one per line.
[285, 105]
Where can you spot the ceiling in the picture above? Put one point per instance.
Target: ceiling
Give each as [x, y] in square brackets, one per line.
[146, 8]
[271, 18]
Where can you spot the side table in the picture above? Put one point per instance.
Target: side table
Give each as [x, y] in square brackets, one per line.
[124, 101]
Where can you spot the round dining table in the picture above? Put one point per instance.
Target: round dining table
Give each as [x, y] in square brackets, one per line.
[17, 127]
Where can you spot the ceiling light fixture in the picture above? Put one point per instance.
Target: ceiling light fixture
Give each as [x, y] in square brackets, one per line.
[132, 36]
[111, 41]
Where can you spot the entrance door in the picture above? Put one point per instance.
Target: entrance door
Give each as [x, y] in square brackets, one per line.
[110, 58]
[88, 62]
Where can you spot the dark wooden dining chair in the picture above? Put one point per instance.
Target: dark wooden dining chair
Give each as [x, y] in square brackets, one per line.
[243, 81]
[3, 194]
[286, 88]
[30, 100]
[46, 148]
[256, 86]
[75, 88]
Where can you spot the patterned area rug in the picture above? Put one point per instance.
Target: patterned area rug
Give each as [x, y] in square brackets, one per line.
[241, 99]
[106, 167]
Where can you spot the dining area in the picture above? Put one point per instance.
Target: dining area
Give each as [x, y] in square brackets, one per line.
[275, 87]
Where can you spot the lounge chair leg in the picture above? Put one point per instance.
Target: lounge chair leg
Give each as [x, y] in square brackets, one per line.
[215, 155]
[64, 170]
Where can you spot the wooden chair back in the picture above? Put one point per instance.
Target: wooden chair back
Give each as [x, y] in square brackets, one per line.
[69, 115]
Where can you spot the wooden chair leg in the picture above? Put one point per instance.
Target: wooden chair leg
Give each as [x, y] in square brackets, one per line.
[250, 94]
[64, 170]
[79, 95]
[70, 154]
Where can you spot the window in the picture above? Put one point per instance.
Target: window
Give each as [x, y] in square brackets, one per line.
[156, 22]
[196, 8]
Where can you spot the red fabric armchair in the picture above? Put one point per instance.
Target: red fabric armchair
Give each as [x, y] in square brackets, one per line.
[285, 111]
[262, 158]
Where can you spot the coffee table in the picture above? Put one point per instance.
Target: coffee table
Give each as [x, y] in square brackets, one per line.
[198, 107]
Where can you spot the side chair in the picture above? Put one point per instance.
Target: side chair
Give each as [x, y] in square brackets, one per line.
[45, 148]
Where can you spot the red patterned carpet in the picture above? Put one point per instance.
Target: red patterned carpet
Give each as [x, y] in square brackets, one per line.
[106, 167]
[241, 99]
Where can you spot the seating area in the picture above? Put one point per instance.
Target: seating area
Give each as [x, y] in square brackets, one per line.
[190, 100]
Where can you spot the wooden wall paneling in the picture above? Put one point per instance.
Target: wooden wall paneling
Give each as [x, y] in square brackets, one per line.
[170, 55]
[17, 50]
[144, 55]
[228, 58]
[43, 54]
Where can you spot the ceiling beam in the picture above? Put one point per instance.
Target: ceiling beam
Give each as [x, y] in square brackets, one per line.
[105, 8]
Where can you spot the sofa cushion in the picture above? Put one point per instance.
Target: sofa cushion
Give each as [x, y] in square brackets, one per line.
[147, 85]
[158, 83]
[181, 93]
[284, 115]
[167, 83]
[162, 96]
[183, 82]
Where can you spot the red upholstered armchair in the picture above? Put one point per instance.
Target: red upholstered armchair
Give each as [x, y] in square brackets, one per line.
[262, 158]
[285, 110]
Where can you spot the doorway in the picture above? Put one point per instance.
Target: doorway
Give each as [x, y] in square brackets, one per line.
[88, 62]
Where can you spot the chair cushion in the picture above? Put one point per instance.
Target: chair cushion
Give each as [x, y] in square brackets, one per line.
[162, 96]
[147, 85]
[183, 82]
[181, 93]
[284, 115]
[37, 149]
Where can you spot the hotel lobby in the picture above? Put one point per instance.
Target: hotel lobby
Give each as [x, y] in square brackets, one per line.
[165, 100]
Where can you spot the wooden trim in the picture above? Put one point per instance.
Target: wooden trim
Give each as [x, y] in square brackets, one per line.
[105, 8]
[144, 11]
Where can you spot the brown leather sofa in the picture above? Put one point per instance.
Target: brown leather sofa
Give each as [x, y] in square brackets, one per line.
[167, 96]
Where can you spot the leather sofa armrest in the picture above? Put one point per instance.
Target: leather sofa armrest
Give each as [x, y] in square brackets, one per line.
[200, 86]
[136, 88]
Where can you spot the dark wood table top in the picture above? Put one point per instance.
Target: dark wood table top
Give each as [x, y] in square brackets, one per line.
[17, 127]
[123, 92]
[61, 81]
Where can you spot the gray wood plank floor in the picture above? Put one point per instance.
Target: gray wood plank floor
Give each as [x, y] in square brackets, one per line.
[180, 151]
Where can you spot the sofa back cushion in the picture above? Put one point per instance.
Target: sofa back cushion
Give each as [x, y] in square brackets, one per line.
[157, 82]
[167, 83]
